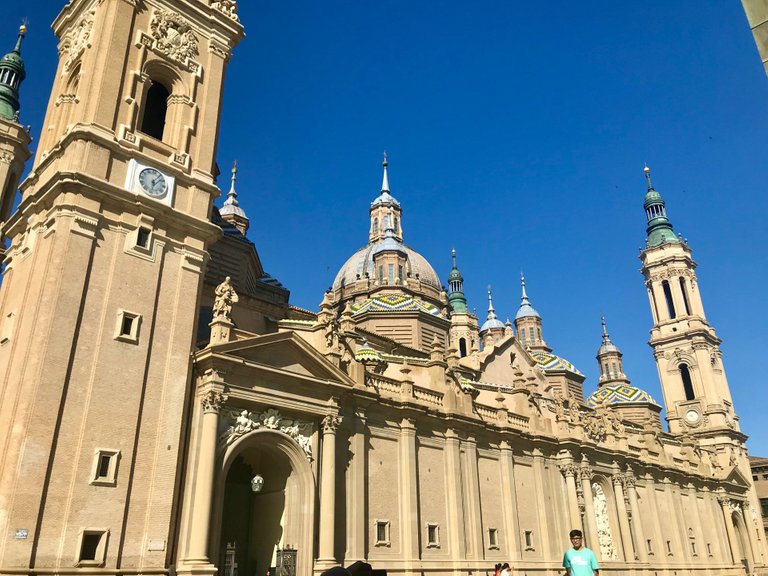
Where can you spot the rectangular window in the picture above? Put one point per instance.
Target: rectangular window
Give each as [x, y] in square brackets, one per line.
[142, 237]
[493, 539]
[433, 535]
[669, 548]
[649, 547]
[381, 274]
[105, 467]
[528, 538]
[92, 547]
[400, 272]
[764, 507]
[709, 549]
[531, 333]
[127, 329]
[382, 532]
[391, 274]
[693, 548]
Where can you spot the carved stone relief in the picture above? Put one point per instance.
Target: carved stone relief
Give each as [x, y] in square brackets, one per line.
[78, 39]
[234, 423]
[173, 36]
[604, 535]
[228, 7]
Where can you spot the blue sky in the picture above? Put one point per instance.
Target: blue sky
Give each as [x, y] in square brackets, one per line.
[516, 133]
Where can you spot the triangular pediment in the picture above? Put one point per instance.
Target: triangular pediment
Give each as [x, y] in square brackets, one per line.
[736, 478]
[506, 362]
[285, 351]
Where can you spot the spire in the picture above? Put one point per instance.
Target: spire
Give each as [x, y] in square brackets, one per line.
[659, 230]
[385, 181]
[525, 309]
[12, 73]
[607, 345]
[491, 321]
[456, 288]
[231, 210]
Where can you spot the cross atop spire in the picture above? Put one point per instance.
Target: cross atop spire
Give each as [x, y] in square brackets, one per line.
[525, 306]
[491, 311]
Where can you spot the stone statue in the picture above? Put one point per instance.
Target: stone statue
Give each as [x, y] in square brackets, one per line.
[225, 297]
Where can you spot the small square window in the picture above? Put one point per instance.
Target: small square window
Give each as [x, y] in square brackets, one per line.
[382, 533]
[433, 535]
[528, 537]
[105, 467]
[128, 324]
[493, 539]
[92, 547]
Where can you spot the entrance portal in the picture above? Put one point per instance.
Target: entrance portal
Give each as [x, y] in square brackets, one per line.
[273, 513]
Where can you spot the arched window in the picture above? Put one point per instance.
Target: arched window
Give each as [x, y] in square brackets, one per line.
[685, 296]
[685, 375]
[462, 347]
[155, 110]
[668, 297]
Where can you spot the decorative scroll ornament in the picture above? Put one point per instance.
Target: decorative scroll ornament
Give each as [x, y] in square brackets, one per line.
[604, 536]
[235, 423]
[212, 401]
[173, 36]
[79, 39]
[331, 423]
[228, 7]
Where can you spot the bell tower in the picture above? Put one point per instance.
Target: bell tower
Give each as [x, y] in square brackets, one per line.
[102, 279]
[696, 394]
[14, 140]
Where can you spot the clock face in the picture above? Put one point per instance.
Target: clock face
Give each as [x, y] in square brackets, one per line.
[692, 416]
[153, 182]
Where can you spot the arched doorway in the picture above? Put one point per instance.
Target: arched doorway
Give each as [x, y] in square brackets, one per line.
[250, 527]
[743, 553]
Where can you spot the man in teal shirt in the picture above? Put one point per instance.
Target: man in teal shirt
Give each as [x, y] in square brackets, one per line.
[580, 560]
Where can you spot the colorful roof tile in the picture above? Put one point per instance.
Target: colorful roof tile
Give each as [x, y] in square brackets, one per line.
[395, 303]
[549, 361]
[618, 394]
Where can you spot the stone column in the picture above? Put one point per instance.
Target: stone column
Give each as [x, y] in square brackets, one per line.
[545, 515]
[357, 487]
[621, 509]
[750, 528]
[733, 544]
[328, 492]
[409, 509]
[472, 490]
[636, 524]
[590, 526]
[454, 489]
[509, 502]
[570, 471]
[211, 400]
[661, 301]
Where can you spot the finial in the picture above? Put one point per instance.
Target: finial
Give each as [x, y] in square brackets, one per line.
[22, 32]
[605, 331]
[648, 176]
[453, 255]
[491, 311]
[522, 284]
[232, 195]
[385, 181]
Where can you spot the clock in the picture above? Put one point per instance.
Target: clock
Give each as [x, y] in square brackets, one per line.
[150, 181]
[153, 182]
[692, 416]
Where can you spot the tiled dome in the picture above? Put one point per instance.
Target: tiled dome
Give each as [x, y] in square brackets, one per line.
[618, 394]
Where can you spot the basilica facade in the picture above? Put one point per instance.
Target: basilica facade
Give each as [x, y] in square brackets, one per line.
[165, 409]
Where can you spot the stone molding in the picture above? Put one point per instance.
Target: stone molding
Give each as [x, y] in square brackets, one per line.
[237, 422]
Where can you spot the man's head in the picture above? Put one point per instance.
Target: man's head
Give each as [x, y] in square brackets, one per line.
[576, 538]
[505, 566]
